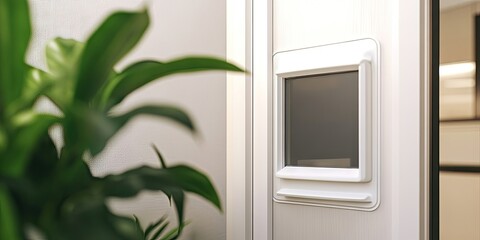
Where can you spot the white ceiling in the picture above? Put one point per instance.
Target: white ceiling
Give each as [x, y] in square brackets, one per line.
[444, 4]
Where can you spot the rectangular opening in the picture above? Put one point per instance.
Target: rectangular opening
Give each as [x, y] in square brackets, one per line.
[321, 120]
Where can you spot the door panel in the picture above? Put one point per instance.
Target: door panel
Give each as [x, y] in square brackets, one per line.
[302, 24]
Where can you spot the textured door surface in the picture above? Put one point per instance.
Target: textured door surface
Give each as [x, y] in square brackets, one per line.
[305, 23]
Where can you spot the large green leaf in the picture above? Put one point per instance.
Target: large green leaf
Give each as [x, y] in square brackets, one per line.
[116, 36]
[14, 38]
[44, 161]
[3, 139]
[131, 182]
[75, 177]
[172, 181]
[9, 226]
[141, 73]
[39, 190]
[179, 199]
[169, 112]
[102, 128]
[86, 216]
[62, 56]
[139, 229]
[37, 83]
[39, 185]
[29, 128]
[84, 129]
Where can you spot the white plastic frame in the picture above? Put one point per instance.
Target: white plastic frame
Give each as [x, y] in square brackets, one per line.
[359, 55]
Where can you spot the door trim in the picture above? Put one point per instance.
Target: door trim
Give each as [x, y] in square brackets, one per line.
[413, 33]
[249, 189]
[239, 212]
[262, 51]
[433, 222]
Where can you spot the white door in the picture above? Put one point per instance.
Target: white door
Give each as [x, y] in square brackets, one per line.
[258, 30]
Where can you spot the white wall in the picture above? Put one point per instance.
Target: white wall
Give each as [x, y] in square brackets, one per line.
[306, 23]
[178, 27]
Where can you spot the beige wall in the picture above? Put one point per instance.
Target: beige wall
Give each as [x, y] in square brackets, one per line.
[459, 206]
[179, 27]
[457, 34]
[460, 192]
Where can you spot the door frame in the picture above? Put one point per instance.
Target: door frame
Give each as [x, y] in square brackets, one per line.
[434, 167]
[249, 151]
[239, 212]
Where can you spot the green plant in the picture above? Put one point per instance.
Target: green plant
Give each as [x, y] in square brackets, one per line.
[52, 190]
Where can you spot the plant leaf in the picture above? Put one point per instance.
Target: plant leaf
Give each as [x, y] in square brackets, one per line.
[37, 83]
[179, 198]
[44, 160]
[172, 181]
[9, 228]
[173, 234]
[35, 190]
[95, 219]
[103, 128]
[3, 139]
[84, 129]
[75, 177]
[160, 157]
[62, 56]
[154, 225]
[30, 127]
[90, 129]
[160, 230]
[169, 112]
[14, 38]
[131, 182]
[141, 73]
[138, 226]
[115, 37]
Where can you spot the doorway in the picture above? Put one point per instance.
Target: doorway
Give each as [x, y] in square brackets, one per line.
[458, 120]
